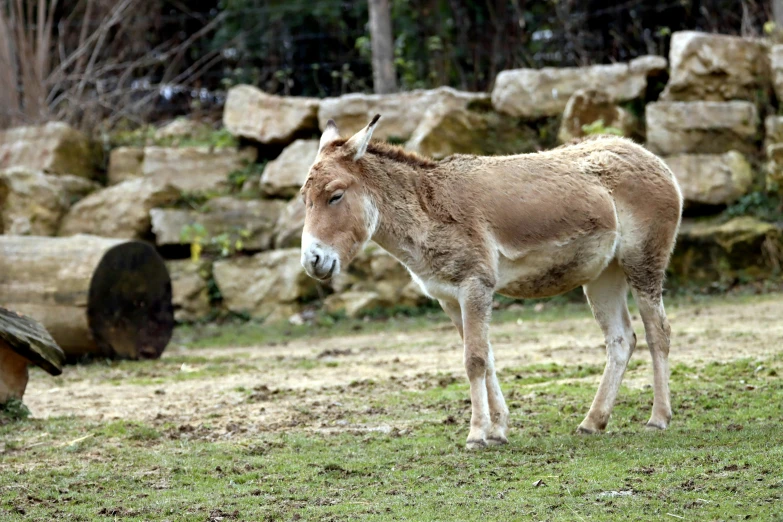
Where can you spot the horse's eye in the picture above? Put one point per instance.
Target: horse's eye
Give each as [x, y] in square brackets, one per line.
[337, 197]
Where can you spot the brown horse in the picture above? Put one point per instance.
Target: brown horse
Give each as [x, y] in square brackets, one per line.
[602, 214]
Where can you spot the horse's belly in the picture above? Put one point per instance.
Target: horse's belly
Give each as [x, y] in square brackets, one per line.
[554, 268]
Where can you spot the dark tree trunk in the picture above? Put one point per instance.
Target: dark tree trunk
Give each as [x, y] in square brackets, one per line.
[384, 79]
[777, 14]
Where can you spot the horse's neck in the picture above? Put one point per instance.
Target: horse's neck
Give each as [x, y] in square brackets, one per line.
[402, 223]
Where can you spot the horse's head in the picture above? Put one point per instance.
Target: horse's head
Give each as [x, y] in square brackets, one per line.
[340, 217]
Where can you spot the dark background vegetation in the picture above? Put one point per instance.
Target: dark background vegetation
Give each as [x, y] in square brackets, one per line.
[136, 61]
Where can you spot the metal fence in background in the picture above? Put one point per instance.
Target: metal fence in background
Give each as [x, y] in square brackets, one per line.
[143, 60]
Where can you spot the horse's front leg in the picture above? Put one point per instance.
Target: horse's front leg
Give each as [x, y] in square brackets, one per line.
[498, 410]
[476, 307]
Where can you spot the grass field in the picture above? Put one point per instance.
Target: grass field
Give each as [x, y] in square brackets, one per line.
[371, 425]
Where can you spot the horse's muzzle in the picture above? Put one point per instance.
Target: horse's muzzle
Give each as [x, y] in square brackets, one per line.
[319, 261]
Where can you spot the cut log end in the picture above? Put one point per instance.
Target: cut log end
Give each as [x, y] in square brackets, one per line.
[129, 310]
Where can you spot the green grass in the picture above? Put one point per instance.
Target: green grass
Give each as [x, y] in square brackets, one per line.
[396, 453]
[145, 136]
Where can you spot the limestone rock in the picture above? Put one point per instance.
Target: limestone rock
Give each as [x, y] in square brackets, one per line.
[74, 188]
[194, 168]
[586, 107]
[33, 203]
[354, 304]
[535, 93]
[448, 128]
[266, 284]
[252, 222]
[774, 151]
[776, 64]
[187, 168]
[124, 164]
[715, 67]
[288, 229]
[774, 166]
[701, 127]
[712, 179]
[190, 295]
[181, 128]
[708, 251]
[773, 129]
[400, 113]
[265, 118]
[285, 175]
[54, 148]
[121, 211]
[375, 270]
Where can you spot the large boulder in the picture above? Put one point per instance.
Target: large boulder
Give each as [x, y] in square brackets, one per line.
[535, 93]
[189, 290]
[186, 168]
[249, 222]
[776, 64]
[376, 272]
[588, 107]
[448, 128]
[351, 303]
[121, 211]
[54, 148]
[33, 203]
[714, 67]
[266, 118]
[712, 179]
[773, 147]
[181, 128]
[774, 166]
[711, 252]
[288, 229]
[124, 164]
[285, 175]
[773, 129]
[400, 113]
[701, 127]
[268, 285]
[194, 168]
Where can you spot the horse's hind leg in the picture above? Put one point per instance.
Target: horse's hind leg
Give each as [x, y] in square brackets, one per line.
[645, 269]
[608, 296]
[658, 333]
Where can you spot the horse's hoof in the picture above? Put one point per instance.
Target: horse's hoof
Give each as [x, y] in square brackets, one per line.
[497, 441]
[655, 425]
[473, 445]
[584, 430]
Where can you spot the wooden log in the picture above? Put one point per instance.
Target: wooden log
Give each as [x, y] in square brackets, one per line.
[97, 296]
[24, 342]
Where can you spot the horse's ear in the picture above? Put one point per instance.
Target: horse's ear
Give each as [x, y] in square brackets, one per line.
[357, 145]
[330, 134]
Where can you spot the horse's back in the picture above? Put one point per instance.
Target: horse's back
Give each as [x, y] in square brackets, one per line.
[559, 217]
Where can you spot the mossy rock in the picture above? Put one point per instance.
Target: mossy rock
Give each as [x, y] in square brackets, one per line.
[742, 249]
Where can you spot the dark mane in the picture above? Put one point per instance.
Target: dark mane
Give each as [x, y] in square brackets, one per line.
[398, 154]
[391, 152]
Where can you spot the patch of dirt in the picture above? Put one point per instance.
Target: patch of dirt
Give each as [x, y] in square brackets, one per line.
[284, 393]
